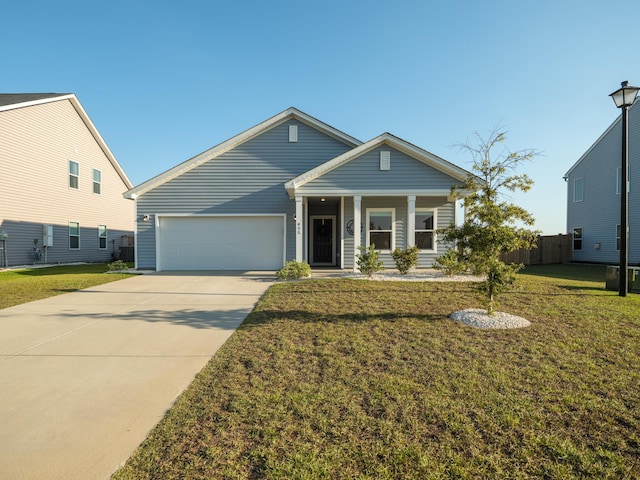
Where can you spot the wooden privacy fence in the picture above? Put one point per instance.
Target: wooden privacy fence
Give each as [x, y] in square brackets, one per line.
[551, 249]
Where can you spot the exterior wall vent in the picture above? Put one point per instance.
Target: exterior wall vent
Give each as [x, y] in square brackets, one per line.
[293, 133]
[385, 160]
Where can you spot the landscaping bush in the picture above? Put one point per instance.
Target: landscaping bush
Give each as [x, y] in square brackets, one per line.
[293, 270]
[406, 259]
[117, 266]
[369, 260]
[450, 263]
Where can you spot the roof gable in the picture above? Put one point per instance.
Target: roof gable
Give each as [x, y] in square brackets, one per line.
[617, 120]
[12, 101]
[386, 139]
[218, 150]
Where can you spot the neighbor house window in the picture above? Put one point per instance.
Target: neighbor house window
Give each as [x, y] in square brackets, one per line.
[97, 181]
[74, 173]
[578, 189]
[380, 231]
[424, 229]
[74, 235]
[577, 238]
[102, 237]
[618, 236]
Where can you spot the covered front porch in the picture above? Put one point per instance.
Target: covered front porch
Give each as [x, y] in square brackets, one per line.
[329, 229]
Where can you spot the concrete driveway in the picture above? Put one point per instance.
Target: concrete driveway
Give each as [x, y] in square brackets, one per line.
[84, 376]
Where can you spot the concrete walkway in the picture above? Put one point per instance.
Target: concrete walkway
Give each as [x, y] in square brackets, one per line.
[84, 376]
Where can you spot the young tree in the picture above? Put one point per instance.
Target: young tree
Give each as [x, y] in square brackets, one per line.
[492, 225]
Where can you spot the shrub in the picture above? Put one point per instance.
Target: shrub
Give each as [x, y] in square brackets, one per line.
[293, 270]
[450, 263]
[369, 261]
[406, 259]
[117, 266]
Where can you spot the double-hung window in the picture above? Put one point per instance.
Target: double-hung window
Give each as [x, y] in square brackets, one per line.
[577, 238]
[74, 174]
[380, 231]
[424, 229]
[578, 189]
[102, 237]
[97, 181]
[74, 236]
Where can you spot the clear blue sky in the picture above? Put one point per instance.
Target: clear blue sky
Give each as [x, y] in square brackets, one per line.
[164, 81]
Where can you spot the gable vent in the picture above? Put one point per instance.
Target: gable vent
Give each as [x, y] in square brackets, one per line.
[385, 160]
[293, 133]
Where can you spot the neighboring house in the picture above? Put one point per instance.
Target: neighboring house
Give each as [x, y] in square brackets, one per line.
[60, 187]
[293, 187]
[593, 200]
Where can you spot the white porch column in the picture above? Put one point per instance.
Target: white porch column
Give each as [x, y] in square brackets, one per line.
[411, 221]
[357, 233]
[299, 222]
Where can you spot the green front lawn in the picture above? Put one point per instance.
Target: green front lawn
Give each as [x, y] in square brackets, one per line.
[22, 286]
[362, 379]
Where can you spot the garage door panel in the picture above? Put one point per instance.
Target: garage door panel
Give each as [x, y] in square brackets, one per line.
[221, 243]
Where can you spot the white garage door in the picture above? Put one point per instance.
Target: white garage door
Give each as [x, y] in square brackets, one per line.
[221, 243]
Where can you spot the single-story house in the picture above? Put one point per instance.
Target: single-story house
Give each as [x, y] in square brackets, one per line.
[293, 187]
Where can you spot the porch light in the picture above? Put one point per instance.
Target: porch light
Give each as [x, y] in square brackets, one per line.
[624, 98]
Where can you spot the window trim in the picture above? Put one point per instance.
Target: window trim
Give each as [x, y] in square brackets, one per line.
[98, 183]
[392, 231]
[573, 240]
[575, 196]
[433, 231]
[74, 175]
[74, 235]
[101, 236]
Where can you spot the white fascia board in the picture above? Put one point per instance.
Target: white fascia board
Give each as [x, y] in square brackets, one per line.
[103, 145]
[234, 142]
[606, 132]
[40, 101]
[87, 121]
[382, 193]
[384, 139]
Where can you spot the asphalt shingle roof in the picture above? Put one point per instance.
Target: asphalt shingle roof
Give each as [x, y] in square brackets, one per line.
[15, 98]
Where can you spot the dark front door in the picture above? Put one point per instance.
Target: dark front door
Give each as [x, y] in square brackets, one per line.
[322, 245]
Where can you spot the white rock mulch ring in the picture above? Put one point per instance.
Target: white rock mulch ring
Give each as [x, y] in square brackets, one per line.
[476, 317]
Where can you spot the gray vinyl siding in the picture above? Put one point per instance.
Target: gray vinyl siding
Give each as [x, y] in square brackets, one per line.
[445, 212]
[364, 174]
[599, 213]
[36, 145]
[248, 179]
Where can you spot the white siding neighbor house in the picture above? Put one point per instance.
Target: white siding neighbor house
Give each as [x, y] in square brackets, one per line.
[61, 187]
[293, 187]
[593, 196]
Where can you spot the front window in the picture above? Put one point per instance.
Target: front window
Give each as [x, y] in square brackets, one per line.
[380, 230]
[97, 181]
[424, 229]
[577, 238]
[74, 173]
[578, 190]
[74, 236]
[102, 237]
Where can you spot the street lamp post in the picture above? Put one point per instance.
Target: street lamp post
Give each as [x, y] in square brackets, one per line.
[624, 98]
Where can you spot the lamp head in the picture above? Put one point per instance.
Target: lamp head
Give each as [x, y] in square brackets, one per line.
[625, 95]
